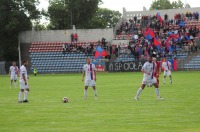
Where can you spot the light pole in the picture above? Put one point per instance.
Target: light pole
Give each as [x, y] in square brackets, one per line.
[185, 4]
[19, 50]
[71, 12]
[71, 18]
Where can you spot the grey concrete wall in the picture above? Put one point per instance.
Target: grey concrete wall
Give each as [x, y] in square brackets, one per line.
[118, 42]
[170, 12]
[60, 36]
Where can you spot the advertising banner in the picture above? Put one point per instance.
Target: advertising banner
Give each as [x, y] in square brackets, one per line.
[125, 66]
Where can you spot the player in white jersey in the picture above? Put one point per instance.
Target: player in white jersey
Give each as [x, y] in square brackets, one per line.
[89, 71]
[148, 79]
[167, 66]
[13, 73]
[23, 82]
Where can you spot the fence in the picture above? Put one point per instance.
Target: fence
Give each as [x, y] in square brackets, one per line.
[2, 68]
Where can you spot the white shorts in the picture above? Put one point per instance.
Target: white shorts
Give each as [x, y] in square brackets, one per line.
[22, 84]
[90, 83]
[13, 77]
[167, 73]
[149, 81]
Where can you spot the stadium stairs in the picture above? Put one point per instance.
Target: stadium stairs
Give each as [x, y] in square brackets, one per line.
[192, 62]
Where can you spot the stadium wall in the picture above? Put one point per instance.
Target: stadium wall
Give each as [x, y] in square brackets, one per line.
[84, 35]
[170, 12]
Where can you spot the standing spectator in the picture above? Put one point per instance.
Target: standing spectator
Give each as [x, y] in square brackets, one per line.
[116, 50]
[72, 37]
[110, 49]
[190, 43]
[196, 44]
[197, 16]
[75, 37]
[166, 17]
[103, 41]
[195, 47]
[135, 19]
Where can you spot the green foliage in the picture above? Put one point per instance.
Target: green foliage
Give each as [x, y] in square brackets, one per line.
[65, 13]
[177, 4]
[15, 17]
[166, 4]
[161, 4]
[38, 26]
[187, 5]
[81, 13]
[104, 18]
[113, 111]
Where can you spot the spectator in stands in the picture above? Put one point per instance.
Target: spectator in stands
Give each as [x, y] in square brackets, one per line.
[139, 45]
[197, 16]
[99, 43]
[166, 17]
[143, 58]
[190, 16]
[76, 37]
[195, 47]
[186, 48]
[64, 48]
[72, 37]
[135, 19]
[94, 50]
[116, 50]
[89, 50]
[197, 43]
[110, 49]
[68, 47]
[103, 41]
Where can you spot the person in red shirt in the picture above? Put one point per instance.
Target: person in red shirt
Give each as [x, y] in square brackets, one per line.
[75, 37]
[157, 69]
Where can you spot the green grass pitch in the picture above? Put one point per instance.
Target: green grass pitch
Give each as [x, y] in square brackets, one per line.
[113, 111]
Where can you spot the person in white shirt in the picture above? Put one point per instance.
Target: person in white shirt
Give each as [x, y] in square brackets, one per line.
[13, 73]
[167, 66]
[89, 71]
[23, 82]
[148, 78]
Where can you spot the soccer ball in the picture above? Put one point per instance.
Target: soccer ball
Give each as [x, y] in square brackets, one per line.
[65, 100]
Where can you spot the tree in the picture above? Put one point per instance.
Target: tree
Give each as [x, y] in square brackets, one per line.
[65, 13]
[187, 5]
[165, 4]
[38, 26]
[160, 5]
[178, 4]
[104, 18]
[15, 17]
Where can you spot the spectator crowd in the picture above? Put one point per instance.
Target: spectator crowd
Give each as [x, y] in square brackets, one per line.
[165, 34]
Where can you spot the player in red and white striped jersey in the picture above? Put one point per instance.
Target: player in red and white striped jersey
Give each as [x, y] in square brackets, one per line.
[89, 70]
[167, 66]
[13, 73]
[148, 79]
